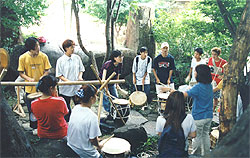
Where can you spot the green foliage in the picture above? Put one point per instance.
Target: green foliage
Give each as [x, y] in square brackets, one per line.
[150, 146]
[16, 13]
[185, 31]
[211, 10]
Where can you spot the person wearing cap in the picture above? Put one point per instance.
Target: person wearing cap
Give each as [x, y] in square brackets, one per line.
[69, 67]
[141, 68]
[163, 66]
[112, 65]
[197, 60]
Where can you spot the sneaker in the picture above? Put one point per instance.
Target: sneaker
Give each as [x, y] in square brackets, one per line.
[34, 131]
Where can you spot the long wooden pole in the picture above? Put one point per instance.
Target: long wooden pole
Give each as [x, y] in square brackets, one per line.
[108, 94]
[101, 97]
[94, 82]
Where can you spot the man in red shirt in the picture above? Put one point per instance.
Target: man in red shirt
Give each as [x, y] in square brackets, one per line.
[216, 65]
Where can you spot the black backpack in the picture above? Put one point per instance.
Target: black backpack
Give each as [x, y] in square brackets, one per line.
[172, 144]
[137, 61]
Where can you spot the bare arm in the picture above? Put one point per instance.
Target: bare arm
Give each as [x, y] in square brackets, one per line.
[169, 76]
[80, 76]
[134, 78]
[143, 79]
[156, 77]
[63, 78]
[185, 94]
[24, 76]
[95, 142]
[46, 72]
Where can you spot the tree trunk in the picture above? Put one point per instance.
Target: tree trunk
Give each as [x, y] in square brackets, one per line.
[227, 18]
[107, 30]
[237, 60]
[1, 23]
[89, 54]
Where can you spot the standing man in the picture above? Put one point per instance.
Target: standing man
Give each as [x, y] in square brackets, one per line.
[33, 65]
[141, 68]
[163, 66]
[216, 65]
[197, 60]
[69, 67]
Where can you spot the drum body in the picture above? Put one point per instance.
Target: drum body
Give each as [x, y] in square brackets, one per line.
[116, 147]
[124, 109]
[138, 98]
[162, 97]
[33, 120]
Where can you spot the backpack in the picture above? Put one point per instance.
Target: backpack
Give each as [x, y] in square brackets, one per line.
[172, 144]
[137, 61]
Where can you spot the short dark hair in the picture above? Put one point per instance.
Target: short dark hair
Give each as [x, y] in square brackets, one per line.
[67, 43]
[217, 50]
[143, 49]
[45, 83]
[203, 74]
[30, 43]
[88, 91]
[199, 50]
[114, 54]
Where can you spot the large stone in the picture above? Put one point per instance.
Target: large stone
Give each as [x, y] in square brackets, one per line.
[139, 29]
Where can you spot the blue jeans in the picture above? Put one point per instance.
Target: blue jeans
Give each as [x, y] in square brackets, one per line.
[106, 103]
[146, 90]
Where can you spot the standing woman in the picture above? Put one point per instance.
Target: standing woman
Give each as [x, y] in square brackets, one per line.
[112, 65]
[69, 67]
[50, 110]
[182, 126]
[202, 110]
[83, 129]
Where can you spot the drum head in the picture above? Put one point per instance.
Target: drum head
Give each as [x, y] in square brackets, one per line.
[138, 98]
[121, 101]
[34, 95]
[4, 58]
[184, 88]
[115, 146]
[163, 95]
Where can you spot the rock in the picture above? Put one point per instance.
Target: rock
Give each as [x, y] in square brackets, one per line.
[139, 29]
[150, 128]
[135, 118]
[134, 134]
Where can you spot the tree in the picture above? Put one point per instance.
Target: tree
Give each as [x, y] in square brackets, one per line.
[75, 6]
[237, 60]
[16, 13]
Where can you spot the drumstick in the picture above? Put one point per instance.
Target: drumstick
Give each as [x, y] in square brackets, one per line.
[135, 87]
[164, 101]
[108, 139]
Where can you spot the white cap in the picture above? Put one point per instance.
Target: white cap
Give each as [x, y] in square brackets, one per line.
[165, 44]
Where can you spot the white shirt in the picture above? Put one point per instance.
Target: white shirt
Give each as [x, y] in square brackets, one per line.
[188, 126]
[194, 63]
[69, 67]
[142, 67]
[83, 125]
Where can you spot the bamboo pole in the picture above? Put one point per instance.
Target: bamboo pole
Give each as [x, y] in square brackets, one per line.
[94, 82]
[18, 107]
[106, 82]
[108, 94]
[101, 97]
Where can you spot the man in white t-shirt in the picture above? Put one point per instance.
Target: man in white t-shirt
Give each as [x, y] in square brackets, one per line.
[197, 60]
[141, 68]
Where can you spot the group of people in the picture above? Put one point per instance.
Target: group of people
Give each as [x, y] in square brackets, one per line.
[56, 120]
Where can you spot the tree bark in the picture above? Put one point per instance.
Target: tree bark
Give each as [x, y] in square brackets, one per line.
[88, 53]
[227, 18]
[107, 30]
[237, 60]
[1, 23]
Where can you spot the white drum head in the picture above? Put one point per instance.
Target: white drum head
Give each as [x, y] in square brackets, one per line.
[35, 95]
[121, 101]
[184, 88]
[115, 146]
[138, 98]
[163, 95]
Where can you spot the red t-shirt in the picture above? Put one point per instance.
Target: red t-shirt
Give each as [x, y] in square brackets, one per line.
[50, 114]
[219, 65]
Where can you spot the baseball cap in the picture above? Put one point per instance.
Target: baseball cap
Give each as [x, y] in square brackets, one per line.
[164, 44]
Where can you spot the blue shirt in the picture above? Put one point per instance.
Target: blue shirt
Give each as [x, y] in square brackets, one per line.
[202, 95]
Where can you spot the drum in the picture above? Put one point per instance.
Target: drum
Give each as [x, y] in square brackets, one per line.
[138, 98]
[184, 88]
[162, 97]
[115, 147]
[124, 109]
[34, 96]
